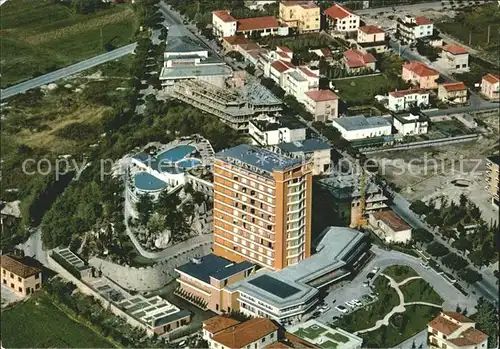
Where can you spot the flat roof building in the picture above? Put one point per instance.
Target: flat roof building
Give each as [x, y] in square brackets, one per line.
[326, 336]
[360, 127]
[311, 149]
[262, 207]
[268, 131]
[289, 293]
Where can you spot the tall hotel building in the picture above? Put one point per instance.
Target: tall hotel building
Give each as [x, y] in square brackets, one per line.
[262, 207]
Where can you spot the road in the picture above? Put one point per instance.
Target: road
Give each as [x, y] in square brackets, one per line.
[425, 5]
[486, 287]
[67, 71]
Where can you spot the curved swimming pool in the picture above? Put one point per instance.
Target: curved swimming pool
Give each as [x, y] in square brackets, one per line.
[188, 163]
[147, 182]
[175, 154]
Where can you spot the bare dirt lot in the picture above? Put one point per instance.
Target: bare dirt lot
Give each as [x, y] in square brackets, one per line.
[430, 172]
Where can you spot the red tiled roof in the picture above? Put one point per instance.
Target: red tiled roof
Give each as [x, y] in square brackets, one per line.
[249, 46]
[492, 78]
[308, 72]
[304, 4]
[326, 51]
[421, 20]
[392, 220]
[284, 49]
[454, 86]
[469, 337]
[20, 266]
[420, 69]
[235, 40]
[282, 66]
[291, 341]
[283, 54]
[224, 16]
[239, 336]
[218, 323]
[455, 49]
[442, 325]
[256, 23]
[355, 58]
[403, 93]
[457, 316]
[321, 95]
[371, 29]
[337, 12]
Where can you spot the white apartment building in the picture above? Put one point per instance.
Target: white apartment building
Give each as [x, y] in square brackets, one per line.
[223, 24]
[405, 99]
[455, 57]
[410, 124]
[298, 81]
[360, 127]
[455, 331]
[341, 19]
[389, 227]
[322, 104]
[267, 131]
[411, 28]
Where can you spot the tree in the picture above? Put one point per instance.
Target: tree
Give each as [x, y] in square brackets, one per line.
[144, 208]
[453, 261]
[437, 250]
[487, 320]
[419, 207]
[470, 276]
[422, 235]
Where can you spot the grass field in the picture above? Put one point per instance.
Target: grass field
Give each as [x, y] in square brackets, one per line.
[419, 290]
[38, 36]
[363, 90]
[399, 272]
[401, 327]
[38, 323]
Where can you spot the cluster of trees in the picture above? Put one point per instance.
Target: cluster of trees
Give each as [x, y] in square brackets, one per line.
[148, 12]
[428, 51]
[87, 6]
[487, 320]
[90, 311]
[200, 302]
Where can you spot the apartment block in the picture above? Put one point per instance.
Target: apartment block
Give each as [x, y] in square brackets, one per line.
[454, 330]
[340, 19]
[491, 178]
[490, 86]
[302, 15]
[266, 130]
[262, 207]
[411, 28]
[455, 57]
[405, 99]
[20, 274]
[371, 37]
[322, 104]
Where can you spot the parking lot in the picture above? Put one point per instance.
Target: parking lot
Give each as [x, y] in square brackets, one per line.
[345, 291]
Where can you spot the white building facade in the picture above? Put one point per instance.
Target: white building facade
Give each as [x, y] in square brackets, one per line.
[411, 28]
[360, 127]
[410, 124]
[403, 100]
[267, 131]
[223, 24]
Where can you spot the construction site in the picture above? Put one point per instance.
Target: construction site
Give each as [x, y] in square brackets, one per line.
[241, 100]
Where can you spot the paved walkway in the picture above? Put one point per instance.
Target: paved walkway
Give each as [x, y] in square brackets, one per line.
[400, 308]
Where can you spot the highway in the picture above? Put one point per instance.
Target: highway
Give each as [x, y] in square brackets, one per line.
[67, 71]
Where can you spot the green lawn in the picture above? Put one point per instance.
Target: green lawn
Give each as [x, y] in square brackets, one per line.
[328, 345]
[401, 327]
[337, 337]
[367, 316]
[37, 323]
[356, 91]
[450, 128]
[419, 290]
[310, 332]
[40, 36]
[399, 272]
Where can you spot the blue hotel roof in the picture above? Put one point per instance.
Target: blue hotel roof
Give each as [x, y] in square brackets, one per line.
[213, 266]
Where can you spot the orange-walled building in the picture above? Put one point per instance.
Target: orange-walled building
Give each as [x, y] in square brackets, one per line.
[202, 282]
[262, 207]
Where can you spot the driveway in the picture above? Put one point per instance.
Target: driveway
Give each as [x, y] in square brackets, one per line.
[349, 290]
[8, 296]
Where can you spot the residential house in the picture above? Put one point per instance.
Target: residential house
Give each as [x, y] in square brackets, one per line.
[420, 75]
[409, 28]
[228, 333]
[230, 43]
[388, 226]
[304, 16]
[454, 330]
[223, 24]
[340, 19]
[360, 127]
[250, 51]
[405, 99]
[267, 131]
[371, 37]
[490, 86]
[206, 278]
[312, 149]
[298, 81]
[277, 69]
[455, 57]
[453, 92]
[22, 275]
[281, 53]
[322, 52]
[260, 26]
[492, 178]
[322, 104]
[410, 124]
[356, 61]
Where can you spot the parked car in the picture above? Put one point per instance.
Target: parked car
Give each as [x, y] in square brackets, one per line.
[324, 309]
[375, 270]
[316, 314]
[425, 265]
[342, 309]
[366, 283]
[357, 302]
[350, 304]
[370, 275]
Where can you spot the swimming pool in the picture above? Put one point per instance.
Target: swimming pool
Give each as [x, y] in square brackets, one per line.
[188, 163]
[175, 154]
[145, 181]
